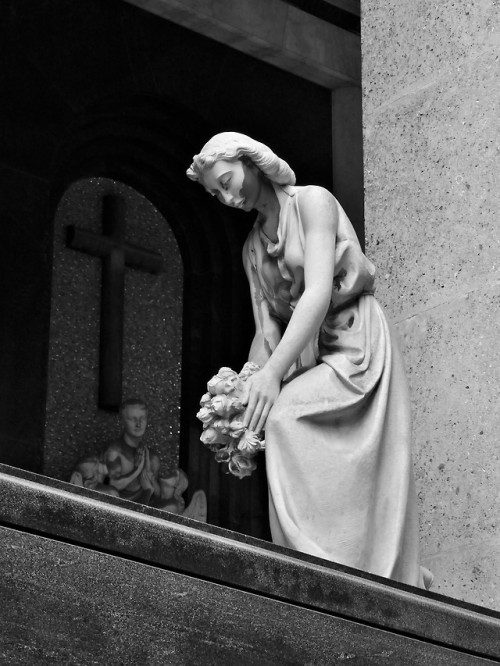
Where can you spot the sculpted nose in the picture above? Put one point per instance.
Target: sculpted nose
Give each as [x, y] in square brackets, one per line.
[228, 198]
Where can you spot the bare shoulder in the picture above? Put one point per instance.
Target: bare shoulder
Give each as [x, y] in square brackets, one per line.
[317, 206]
[311, 195]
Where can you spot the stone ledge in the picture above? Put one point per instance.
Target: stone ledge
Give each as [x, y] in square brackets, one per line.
[274, 32]
[64, 604]
[63, 512]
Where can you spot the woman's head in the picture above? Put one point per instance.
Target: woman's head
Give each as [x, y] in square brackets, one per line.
[232, 146]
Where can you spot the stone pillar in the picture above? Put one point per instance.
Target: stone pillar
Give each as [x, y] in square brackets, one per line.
[347, 152]
[431, 130]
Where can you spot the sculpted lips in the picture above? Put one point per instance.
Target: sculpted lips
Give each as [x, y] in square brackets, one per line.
[242, 202]
[243, 195]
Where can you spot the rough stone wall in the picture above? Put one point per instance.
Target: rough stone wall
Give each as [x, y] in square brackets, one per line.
[75, 426]
[431, 81]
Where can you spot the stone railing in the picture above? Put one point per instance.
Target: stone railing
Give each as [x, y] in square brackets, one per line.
[91, 579]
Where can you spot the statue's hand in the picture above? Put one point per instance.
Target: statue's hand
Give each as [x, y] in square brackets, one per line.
[146, 481]
[140, 458]
[260, 393]
[147, 461]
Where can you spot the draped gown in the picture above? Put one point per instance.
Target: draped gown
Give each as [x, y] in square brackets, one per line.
[338, 436]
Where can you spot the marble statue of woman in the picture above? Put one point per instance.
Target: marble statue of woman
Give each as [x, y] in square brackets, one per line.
[331, 392]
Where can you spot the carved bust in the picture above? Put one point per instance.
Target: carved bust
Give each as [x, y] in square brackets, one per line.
[132, 469]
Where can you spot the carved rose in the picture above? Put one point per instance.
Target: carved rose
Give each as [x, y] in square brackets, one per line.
[224, 382]
[241, 466]
[211, 436]
[224, 455]
[222, 425]
[205, 399]
[205, 415]
[223, 442]
[248, 369]
[238, 406]
[250, 443]
[237, 429]
[222, 416]
[225, 405]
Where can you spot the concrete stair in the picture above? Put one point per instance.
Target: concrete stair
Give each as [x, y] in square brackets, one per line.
[88, 579]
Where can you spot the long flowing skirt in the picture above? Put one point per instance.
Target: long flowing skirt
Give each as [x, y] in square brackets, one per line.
[338, 452]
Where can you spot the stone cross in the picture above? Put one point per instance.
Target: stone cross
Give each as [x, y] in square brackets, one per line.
[115, 253]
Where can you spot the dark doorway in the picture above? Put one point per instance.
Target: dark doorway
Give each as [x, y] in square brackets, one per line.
[105, 89]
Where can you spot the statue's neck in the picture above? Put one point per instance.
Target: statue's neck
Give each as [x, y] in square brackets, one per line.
[268, 205]
[131, 440]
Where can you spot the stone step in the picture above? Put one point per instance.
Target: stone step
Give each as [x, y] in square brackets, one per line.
[90, 579]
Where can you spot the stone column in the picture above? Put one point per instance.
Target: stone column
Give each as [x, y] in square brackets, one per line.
[431, 86]
[347, 152]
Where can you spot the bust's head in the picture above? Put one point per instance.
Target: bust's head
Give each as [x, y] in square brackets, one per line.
[134, 418]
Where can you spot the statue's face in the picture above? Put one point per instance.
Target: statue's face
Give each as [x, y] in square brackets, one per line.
[135, 420]
[235, 183]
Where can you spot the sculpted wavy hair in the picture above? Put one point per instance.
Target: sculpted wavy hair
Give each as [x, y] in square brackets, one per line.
[232, 146]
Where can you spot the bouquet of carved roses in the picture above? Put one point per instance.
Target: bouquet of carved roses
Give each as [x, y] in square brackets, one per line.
[222, 414]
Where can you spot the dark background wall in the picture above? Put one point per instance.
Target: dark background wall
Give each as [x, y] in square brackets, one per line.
[100, 88]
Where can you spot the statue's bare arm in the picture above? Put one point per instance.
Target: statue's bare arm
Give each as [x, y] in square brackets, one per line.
[320, 220]
[267, 329]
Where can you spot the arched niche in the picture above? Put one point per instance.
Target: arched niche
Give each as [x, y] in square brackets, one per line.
[146, 144]
[151, 326]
